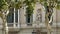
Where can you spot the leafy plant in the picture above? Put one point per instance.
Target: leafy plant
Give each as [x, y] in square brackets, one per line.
[30, 6]
[3, 5]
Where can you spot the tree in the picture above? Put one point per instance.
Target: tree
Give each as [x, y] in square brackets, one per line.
[5, 5]
[49, 5]
[3, 13]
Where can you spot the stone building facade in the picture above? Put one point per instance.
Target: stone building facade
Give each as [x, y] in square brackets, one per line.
[18, 23]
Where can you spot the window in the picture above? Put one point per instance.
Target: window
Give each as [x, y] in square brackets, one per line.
[16, 16]
[12, 18]
[29, 19]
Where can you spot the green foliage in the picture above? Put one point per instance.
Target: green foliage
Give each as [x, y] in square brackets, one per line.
[1, 15]
[58, 5]
[3, 5]
[42, 1]
[11, 4]
[18, 5]
[29, 10]
[30, 6]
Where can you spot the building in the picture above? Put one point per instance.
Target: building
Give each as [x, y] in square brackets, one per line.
[19, 23]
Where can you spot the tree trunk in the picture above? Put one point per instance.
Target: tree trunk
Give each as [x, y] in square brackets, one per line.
[5, 28]
[47, 24]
